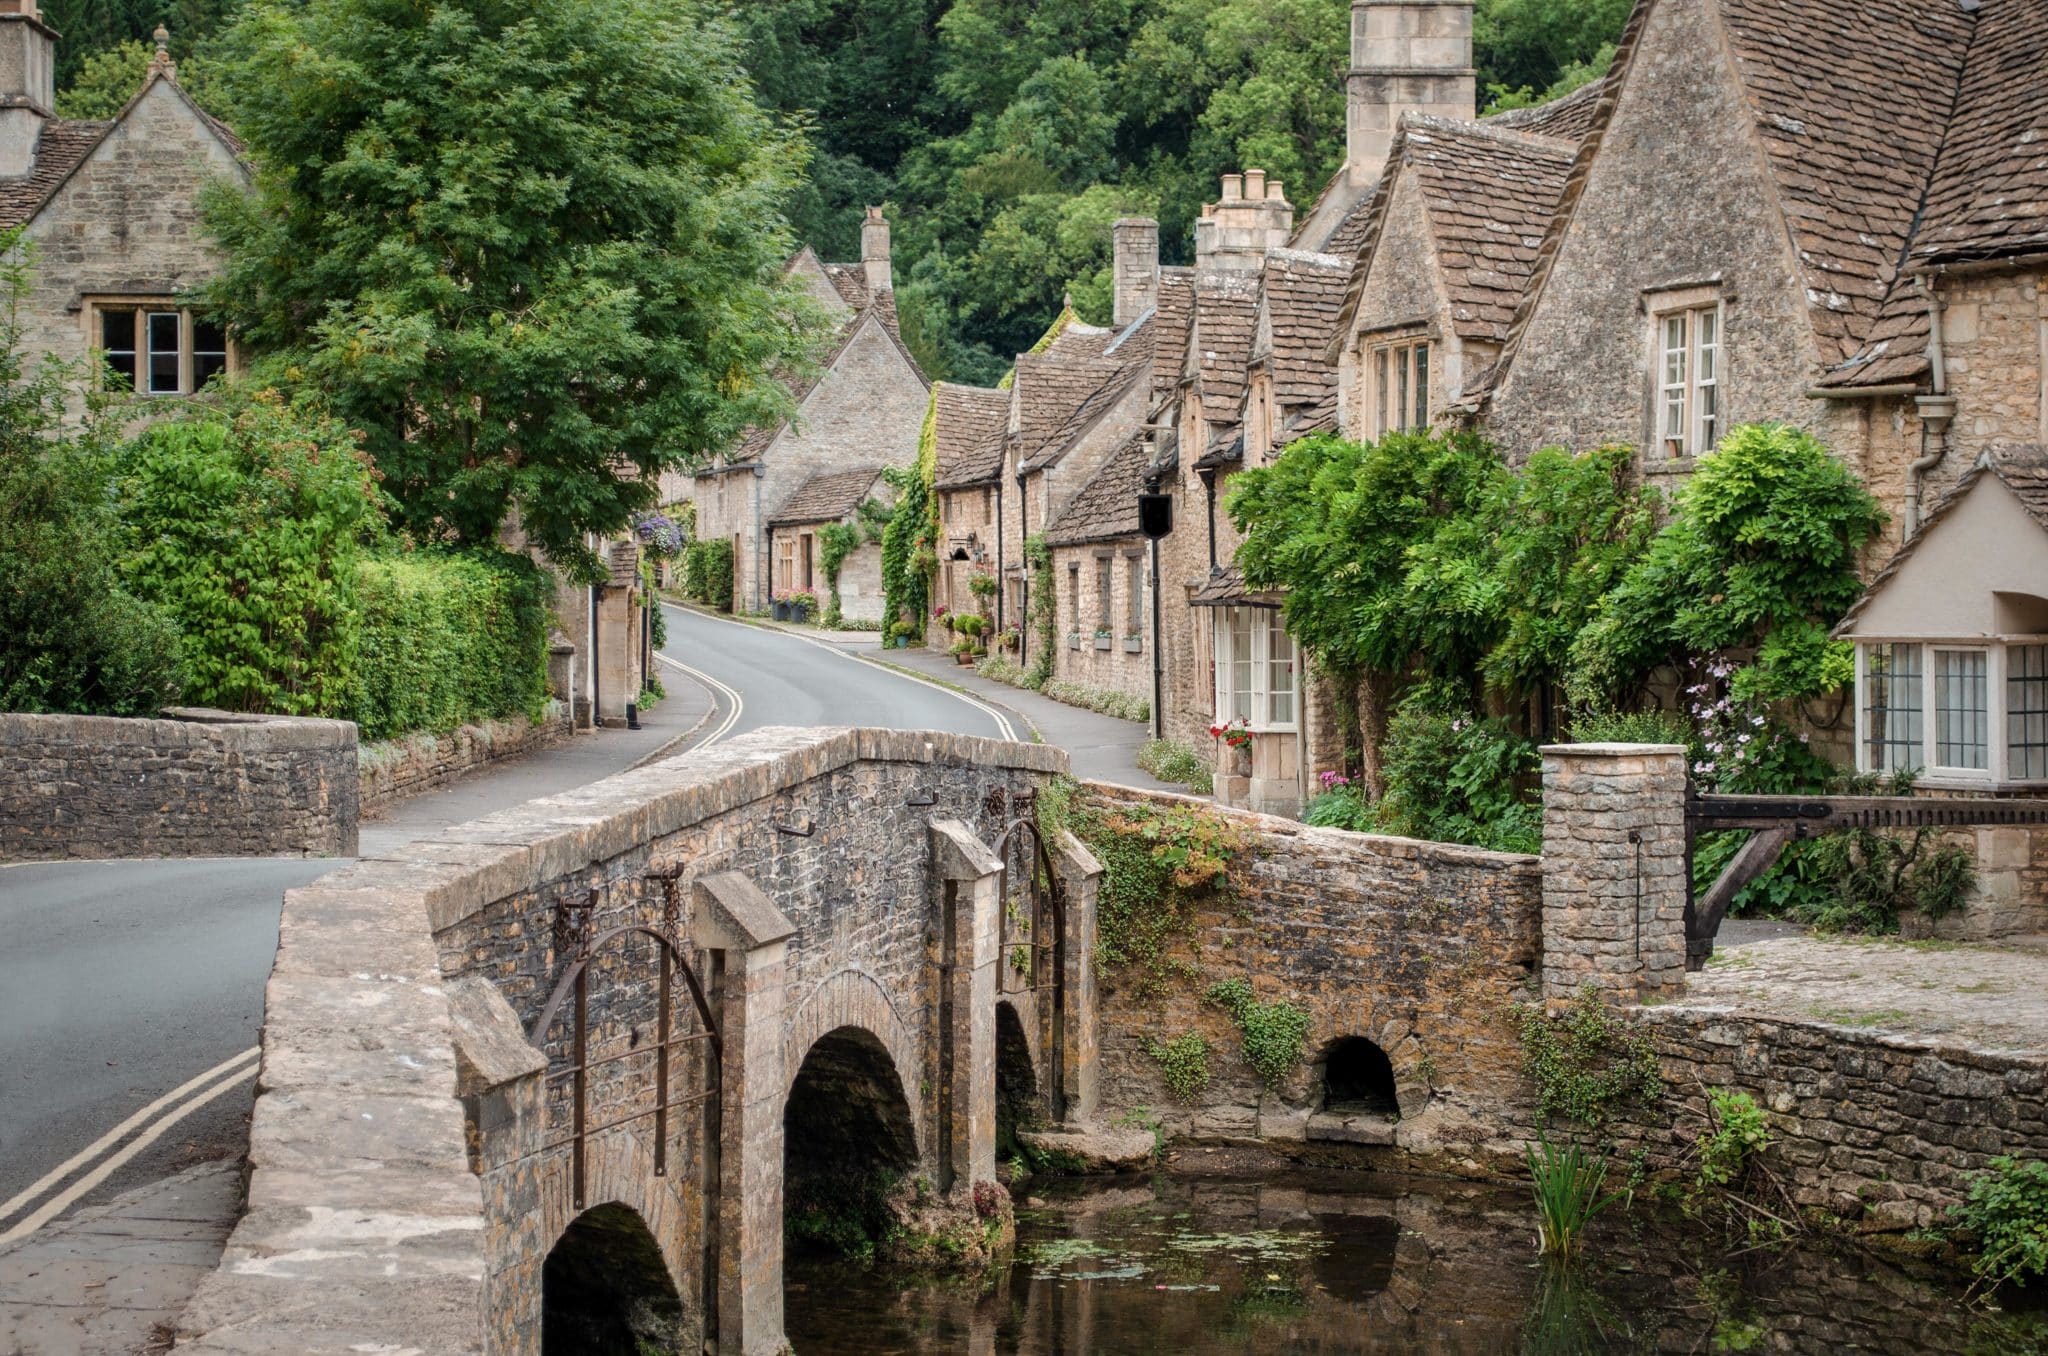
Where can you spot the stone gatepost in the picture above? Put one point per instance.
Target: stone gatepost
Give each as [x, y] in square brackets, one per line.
[1080, 1066]
[967, 876]
[499, 1078]
[733, 917]
[1614, 870]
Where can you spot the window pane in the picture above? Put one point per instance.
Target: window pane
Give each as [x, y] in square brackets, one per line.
[1102, 594]
[1379, 360]
[1279, 672]
[163, 352]
[1707, 398]
[2026, 712]
[1401, 389]
[209, 352]
[1960, 709]
[1892, 678]
[117, 339]
[1241, 664]
[1422, 386]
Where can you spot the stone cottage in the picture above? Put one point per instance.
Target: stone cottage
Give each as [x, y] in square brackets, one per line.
[968, 426]
[849, 498]
[110, 209]
[862, 408]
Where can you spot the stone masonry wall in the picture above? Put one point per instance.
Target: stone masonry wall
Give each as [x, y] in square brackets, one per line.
[1418, 947]
[1078, 656]
[200, 784]
[392, 769]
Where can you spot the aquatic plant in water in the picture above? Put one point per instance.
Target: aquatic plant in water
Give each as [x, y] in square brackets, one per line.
[1567, 1184]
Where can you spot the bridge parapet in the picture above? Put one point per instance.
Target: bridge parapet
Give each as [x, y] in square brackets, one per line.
[415, 1133]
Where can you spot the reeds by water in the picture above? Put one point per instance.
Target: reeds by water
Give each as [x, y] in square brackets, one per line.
[1567, 1183]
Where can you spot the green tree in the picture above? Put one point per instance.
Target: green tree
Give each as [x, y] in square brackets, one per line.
[1530, 51]
[107, 80]
[72, 638]
[531, 251]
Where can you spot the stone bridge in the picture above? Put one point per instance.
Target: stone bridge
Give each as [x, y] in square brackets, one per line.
[557, 1074]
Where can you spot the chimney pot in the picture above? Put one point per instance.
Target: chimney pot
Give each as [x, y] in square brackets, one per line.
[1275, 193]
[1233, 188]
[874, 253]
[1255, 184]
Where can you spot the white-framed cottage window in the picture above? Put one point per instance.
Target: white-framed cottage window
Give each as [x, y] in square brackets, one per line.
[1400, 380]
[1689, 380]
[1972, 712]
[1254, 668]
[153, 347]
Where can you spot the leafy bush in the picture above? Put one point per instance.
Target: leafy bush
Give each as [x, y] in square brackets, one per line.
[1340, 805]
[247, 519]
[1170, 760]
[448, 639]
[1274, 1032]
[1122, 705]
[707, 573]
[1631, 727]
[1735, 1133]
[72, 637]
[1183, 1064]
[1457, 778]
[2007, 1214]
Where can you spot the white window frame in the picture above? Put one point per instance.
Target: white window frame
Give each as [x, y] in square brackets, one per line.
[1997, 772]
[96, 309]
[1272, 650]
[1399, 372]
[1688, 371]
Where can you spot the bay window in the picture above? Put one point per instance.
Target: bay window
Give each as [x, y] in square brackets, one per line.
[1960, 712]
[1254, 668]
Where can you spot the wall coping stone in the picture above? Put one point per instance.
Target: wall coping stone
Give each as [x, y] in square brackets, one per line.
[1609, 750]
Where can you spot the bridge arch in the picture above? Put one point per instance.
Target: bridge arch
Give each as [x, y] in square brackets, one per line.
[852, 998]
[847, 1139]
[606, 1286]
[1018, 1098]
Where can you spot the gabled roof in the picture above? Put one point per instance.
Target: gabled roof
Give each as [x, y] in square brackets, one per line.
[1226, 314]
[965, 421]
[882, 311]
[1125, 363]
[1301, 300]
[1567, 118]
[1990, 192]
[1050, 387]
[1171, 317]
[826, 497]
[2023, 469]
[1107, 507]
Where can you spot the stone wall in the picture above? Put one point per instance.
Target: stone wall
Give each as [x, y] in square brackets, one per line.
[1420, 948]
[198, 784]
[390, 770]
[1122, 662]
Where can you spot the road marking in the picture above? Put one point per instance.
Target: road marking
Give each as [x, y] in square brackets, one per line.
[732, 717]
[1009, 731]
[238, 1069]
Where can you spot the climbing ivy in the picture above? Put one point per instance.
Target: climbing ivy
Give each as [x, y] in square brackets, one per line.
[1586, 1062]
[1274, 1033]
[1183, 1064]
[910, 541]
[1044, 618]
[837, 541]
[1158, 863]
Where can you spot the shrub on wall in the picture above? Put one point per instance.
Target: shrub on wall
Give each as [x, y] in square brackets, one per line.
[246, 519]
[448, 639]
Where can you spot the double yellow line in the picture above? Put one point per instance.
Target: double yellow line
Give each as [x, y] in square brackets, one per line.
[106, 1155]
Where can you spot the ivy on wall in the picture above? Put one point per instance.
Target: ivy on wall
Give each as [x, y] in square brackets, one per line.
[910, 541]
[837, 541]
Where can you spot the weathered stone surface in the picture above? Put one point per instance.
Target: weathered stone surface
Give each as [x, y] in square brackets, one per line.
[1095, 1148]
[393, 769]
[200, 784]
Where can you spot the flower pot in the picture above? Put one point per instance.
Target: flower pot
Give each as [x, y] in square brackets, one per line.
[1102, 642]
[965, 659]
[903, 642]
[1240, 760]
[799, 614]
[779, 610]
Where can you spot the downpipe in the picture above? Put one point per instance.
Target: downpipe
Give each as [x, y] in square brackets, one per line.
[1935, 411]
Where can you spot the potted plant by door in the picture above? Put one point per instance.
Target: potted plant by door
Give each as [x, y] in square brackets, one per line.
[778, 605]
[1237, 746]
[802, 602]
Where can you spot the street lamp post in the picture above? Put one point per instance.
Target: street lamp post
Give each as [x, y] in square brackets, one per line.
[1155, 520]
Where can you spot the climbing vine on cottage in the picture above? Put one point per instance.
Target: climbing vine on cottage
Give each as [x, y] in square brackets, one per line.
[910, 541]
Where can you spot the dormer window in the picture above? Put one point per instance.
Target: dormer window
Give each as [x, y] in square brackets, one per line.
[1400, 379]
[1689, 380]
[157, 349]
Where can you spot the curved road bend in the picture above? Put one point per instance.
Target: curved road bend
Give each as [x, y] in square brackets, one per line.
[123, 981]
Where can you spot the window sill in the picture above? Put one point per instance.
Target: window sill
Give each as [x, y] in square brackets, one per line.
[1981, 785]
[1669, 466]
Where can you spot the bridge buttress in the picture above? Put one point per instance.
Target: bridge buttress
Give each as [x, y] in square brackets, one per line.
[1080, 1065]
[967, 880]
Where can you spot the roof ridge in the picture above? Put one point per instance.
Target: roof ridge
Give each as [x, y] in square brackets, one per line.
[1506, 136]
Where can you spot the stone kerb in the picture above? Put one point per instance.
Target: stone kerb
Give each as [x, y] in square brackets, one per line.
[368, 1226]
[196, 783]
[1614, 870]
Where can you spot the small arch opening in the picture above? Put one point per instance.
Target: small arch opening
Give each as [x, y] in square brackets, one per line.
[1358, 1079]
[606, 1289]
[847, 1141]
[1016, 1081]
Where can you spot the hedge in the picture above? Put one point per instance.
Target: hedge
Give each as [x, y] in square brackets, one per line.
[707, 573]
[448, 639]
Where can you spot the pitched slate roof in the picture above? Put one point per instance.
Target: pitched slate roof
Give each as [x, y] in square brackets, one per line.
[1226, 314]
[62, 148]
[1224, 586]
[2024, 470]
[1171, 317]
[1107, 507]
[1050, 388]
[1125, 363]
[1990, 191]
[1568, 118]
[826, 497]
[967, 419]
[1303, 297]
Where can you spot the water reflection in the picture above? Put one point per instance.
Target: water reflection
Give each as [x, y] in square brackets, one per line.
[1324, 1263]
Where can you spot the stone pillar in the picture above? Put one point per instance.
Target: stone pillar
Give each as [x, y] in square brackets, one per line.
[1081, 880]
[1406, 55]
[498, 1077]
[733, 916]
[967, 879]
[1135, 260]
[1614, 871]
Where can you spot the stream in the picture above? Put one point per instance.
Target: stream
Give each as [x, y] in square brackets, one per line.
[1322, 1261]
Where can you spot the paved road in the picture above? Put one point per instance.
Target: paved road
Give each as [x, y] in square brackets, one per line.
[768, 677]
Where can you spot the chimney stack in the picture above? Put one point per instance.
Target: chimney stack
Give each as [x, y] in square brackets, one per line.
[1136, 267]
[874, 250]
[28, 70]
[1405, 55]
[1235, 232]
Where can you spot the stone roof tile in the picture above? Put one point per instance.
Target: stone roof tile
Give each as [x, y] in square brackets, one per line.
[965, 422]
[62, 146]
[1107, 507]
[1226, 315]
[1989, 197]
[827, 496]
[1303, 296]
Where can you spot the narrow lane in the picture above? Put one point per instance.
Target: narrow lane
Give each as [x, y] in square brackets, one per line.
[771, 677]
